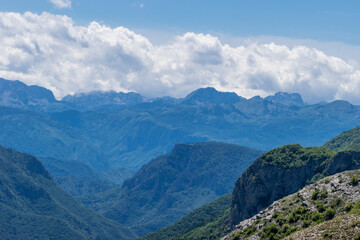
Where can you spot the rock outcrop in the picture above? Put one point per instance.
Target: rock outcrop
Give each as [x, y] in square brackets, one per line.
[331, 197]
[263, 182]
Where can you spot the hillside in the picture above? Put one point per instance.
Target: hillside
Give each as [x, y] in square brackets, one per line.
[322, 201]
[343, 227]
[282, 171]
[346, 140]
[172, 185]
[33, 207]
[285, 169]
[209, 221]
[274, 175]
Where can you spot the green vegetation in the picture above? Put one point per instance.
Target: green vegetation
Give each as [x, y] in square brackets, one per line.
[348, 140]
[341, 227]
[354, 180]
[172, 185]
[32, 206]
[294, 155]
[207, 222]
[309, 207]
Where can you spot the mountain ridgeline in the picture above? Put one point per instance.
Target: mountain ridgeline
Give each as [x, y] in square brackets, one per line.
[172, 185]
[108, 130]
[33, 207]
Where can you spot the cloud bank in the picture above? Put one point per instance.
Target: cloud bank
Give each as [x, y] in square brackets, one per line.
[51, 51]
[61, 3]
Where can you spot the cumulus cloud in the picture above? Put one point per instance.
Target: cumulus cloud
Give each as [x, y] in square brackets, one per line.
[51, 51]
[61, 3]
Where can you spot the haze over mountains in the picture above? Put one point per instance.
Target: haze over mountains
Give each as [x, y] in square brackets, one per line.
[34, 207]
[172, 185]
[93, 144]
[116, 130]
[117, 133]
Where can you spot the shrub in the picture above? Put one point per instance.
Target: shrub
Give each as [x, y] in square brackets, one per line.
[296, 214]
[327, 235]
[340, 179]
[348, 206]
[316, 217]
[250, 231]
[315, 194]
[354, 180]
[275, 214]
[320, 205]
[329, 213]
[335, 203]
[306, 223]
[357, 236]
[323, 194]
[270, 231]
[280, 220]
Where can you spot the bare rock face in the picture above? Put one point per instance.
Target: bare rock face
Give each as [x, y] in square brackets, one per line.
[265, 182]
[343, 161]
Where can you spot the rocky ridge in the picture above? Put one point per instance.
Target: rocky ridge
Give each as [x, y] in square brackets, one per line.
[324, 200]
[283, 171]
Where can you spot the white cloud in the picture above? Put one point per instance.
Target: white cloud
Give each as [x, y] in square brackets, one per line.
[51, 51]
[61, 3]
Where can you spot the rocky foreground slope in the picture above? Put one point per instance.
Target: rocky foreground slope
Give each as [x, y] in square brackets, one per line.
[333, 196]
[283, 171]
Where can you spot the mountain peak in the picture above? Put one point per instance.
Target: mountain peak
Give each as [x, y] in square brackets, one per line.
[288, 99]
[97, 99]
[211, 95]
[18, 94]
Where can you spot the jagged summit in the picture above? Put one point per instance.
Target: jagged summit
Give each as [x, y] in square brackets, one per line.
[288, 99]
[100, 98]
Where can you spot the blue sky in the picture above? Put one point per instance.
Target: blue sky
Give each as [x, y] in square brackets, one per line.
[158, 47]
[325, 20]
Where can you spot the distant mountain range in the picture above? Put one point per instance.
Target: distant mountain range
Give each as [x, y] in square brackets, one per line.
[93, 144]
[115, 134]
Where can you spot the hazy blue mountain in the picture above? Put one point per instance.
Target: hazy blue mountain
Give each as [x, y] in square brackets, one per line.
[212, 96]
[78, 178]
[107, 136]
[16, 93]
[38, 134]
[288, 99]
[33, 207]
[174, 184]
[98, 99]
[19, 95]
